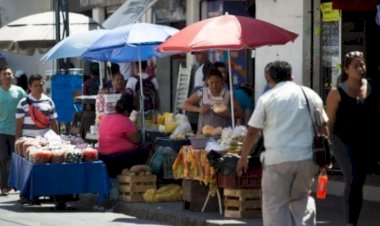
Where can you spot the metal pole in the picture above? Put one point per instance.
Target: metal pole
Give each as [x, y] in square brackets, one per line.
[231, 90]
[141, 98]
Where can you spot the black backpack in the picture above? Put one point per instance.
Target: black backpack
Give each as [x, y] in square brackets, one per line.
[149, 91]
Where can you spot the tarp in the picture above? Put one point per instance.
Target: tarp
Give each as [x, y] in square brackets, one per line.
[64, 87]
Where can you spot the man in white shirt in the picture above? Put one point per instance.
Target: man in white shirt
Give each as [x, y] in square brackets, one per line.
[282, 116]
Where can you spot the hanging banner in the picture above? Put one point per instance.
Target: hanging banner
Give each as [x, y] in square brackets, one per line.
[130, 12]
[355, 5]
[328, 13]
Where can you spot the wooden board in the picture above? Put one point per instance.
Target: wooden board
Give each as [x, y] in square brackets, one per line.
[139, 178]
[242, 205]
[136, 187]
[254, 193]
[242, 214]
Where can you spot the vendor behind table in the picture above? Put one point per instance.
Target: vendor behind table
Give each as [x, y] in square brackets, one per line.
[212, 102]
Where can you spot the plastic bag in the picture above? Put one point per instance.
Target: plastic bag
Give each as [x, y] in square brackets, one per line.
[167, 193]
[214, 145]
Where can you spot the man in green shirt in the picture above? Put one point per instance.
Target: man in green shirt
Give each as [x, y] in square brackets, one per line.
[10, 95]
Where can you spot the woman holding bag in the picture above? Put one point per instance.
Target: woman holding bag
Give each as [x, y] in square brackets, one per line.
[351, 109]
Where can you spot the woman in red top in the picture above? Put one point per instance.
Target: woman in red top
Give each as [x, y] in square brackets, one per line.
[119, 139]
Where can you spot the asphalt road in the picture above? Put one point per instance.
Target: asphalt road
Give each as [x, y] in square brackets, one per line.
[13, 213]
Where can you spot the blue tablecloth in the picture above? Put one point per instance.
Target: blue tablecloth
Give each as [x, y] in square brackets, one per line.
[34, 180]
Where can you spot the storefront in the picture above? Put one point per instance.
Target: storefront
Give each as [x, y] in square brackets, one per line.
[346, 26]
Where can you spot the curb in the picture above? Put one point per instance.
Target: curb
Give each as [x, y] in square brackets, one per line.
[173, 214]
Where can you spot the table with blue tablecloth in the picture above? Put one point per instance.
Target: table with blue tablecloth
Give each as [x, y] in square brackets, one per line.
[35, 180]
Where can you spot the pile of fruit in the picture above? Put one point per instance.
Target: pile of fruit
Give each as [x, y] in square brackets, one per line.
[38, 150]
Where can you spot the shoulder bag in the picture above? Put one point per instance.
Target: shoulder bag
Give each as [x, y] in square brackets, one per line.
[321, 142]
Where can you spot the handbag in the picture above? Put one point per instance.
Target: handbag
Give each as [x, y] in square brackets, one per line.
[39, 119]
[321, 142]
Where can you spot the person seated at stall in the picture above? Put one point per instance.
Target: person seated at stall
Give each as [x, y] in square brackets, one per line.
[119, 139]
[116, 86]
[35, 113]
[212, 102]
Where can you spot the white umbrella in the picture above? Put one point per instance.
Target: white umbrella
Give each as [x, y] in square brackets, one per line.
[37, 32]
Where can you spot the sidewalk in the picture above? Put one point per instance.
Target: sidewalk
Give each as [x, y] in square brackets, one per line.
[330, 212]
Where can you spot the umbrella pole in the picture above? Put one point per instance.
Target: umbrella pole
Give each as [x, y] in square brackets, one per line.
[101, 72]
[231, 89]
[141, 98]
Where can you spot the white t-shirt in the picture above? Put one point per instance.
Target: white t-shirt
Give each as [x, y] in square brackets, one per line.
[283, 115]
[198, 78]
[44, 104]
[132, 82]
[126, 70]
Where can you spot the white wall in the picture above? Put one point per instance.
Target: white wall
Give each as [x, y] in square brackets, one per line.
[288, 14]
[11, 10]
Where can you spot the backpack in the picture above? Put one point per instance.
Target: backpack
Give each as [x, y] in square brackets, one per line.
[149, 91]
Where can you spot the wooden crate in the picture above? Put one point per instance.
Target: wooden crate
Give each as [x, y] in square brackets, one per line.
[132, 188]
[242, 203]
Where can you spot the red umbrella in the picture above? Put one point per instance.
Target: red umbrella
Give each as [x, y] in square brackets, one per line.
[227, 32]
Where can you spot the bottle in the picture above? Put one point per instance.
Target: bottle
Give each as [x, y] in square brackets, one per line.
[322, 185]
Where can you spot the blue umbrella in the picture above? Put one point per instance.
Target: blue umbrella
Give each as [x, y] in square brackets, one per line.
[125, 54]
[74, 45]
[132, 42]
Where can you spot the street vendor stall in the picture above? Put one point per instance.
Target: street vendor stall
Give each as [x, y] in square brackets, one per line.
[36, 180]
[211, 161]
[56, 167]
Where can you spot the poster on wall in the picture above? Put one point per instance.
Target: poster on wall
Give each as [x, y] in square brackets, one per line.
[330, 52]
[238, 58]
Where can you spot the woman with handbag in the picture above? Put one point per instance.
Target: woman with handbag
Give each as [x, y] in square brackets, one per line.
[351, 109]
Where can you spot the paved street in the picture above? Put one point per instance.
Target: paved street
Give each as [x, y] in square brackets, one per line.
[14, 214]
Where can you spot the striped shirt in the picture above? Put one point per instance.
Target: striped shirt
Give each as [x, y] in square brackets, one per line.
[44, 104]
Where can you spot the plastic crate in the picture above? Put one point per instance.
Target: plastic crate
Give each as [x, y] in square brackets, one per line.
[251, 179]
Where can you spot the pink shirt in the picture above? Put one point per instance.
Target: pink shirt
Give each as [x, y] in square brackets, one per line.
[113, 134]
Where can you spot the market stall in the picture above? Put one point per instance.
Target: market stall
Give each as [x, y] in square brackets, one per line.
[56, 166]
[211, 161]
[35, 180]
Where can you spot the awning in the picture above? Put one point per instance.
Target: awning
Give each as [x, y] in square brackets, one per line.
[129, 12]
[355, 5]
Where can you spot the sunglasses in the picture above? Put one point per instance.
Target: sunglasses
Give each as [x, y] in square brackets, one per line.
[354, 54]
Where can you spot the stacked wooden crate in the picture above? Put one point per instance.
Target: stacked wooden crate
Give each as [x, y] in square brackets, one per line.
[242, 195]
[242, 203]
[133, 187]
